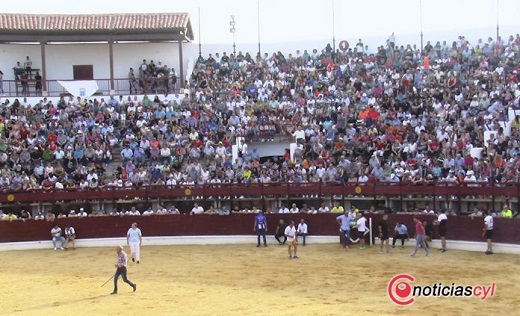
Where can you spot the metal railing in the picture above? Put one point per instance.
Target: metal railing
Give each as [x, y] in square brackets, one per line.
[28, 88]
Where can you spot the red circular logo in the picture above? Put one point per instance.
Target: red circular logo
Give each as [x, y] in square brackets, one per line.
[399, 289]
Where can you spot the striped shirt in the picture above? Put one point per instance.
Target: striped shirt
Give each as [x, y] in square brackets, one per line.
[121, 259]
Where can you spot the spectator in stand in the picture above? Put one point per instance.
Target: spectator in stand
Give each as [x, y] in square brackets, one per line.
[197, 209]
[506, 212]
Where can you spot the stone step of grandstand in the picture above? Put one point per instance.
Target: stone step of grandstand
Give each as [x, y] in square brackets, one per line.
[112, 166]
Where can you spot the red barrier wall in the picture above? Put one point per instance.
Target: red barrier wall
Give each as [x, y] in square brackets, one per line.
[459, 227]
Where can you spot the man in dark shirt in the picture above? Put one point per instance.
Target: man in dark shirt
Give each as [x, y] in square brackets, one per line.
[428, 236]
[280, 232]
[384, 234]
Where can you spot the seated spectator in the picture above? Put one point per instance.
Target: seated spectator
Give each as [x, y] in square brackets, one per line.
[506, 212]
[323, 208]
[283, 210]
[196, 209]
[9, 217]
[82, 212]
[25, 215]
[174, 210]
[39, 216]
[56, 234]
[223, 211]
[148, 212]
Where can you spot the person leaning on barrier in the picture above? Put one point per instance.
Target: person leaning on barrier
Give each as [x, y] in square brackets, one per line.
[70, 235]
[506, 212]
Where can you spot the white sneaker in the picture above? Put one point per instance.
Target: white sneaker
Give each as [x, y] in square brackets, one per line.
[54, 248]
[62, 248]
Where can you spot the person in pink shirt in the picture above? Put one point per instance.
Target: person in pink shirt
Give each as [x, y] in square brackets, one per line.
[419, 237]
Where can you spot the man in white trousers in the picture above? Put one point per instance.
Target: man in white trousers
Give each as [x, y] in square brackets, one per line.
[134, 239]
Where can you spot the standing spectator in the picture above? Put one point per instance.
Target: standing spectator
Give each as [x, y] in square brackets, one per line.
[428, 233]
[134, 239]
[487, 232]
[27, 64]
[362, 230]
[384, 234]
[344, 229]
[38, 83]
[260, 227]
[132, 80]
[419, 237]
[70, 235]
[303, 230]
[2, 92]
[442, 221]
[56, 236]
[401, 232]
[290, 233]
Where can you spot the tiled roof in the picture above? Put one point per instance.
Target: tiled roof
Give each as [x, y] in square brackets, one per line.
[94, 22]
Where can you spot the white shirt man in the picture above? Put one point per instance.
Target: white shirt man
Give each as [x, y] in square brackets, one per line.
[299, 134]
[283, 210]
[82, 213]
[294, 209]
[197, 209]
[290, 233]
[303, 230]
[324, 209]
[56, 236]
[134, 239]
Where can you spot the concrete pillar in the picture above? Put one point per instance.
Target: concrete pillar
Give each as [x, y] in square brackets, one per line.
[44, 69]
[111, 61]
[181, 66]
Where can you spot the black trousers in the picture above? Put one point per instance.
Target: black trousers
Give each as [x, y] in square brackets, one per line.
[261, 233]
[121, 272]
[399, 236]
[277, 237]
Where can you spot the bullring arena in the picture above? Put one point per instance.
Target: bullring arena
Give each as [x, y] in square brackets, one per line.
[193, 148]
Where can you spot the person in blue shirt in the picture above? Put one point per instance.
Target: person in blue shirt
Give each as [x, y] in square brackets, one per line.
[344, 228]
[260, 227]
[401, 232]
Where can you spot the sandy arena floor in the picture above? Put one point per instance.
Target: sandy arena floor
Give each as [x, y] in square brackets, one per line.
[245, 280]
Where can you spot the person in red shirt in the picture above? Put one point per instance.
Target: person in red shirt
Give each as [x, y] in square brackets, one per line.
[419, 237]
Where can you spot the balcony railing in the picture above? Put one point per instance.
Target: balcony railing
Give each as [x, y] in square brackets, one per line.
[440, 191]
[15, 88]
